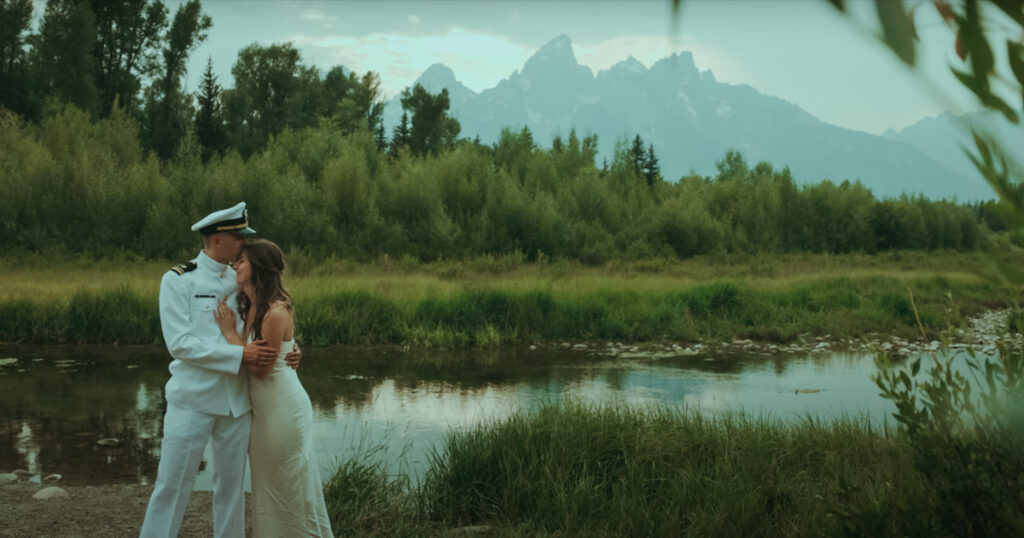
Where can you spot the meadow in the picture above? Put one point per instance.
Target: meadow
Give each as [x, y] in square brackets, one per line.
[493, 301]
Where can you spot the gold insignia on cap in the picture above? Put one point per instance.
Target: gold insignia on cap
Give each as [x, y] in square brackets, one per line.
[244, 224]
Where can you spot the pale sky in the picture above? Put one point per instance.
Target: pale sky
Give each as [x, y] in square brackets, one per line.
[803, 51]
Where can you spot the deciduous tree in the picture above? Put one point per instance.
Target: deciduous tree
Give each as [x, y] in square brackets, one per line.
[62, 59]
[265, 82]
[15, 87]
[127, 49]
[168, 109]
[432, 128]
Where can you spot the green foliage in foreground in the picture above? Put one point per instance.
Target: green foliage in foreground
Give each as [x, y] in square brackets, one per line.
[842, 308]
[966, 433]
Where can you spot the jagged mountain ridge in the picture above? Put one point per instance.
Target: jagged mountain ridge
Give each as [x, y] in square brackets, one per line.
[690, 118]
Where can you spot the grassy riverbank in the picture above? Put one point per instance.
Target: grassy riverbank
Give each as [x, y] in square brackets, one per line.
[578, 471]
[599, 472]
[503, 301]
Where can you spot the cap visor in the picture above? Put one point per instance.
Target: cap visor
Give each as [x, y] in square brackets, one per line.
[246, 231]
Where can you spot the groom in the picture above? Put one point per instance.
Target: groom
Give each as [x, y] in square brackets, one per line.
[208, 393]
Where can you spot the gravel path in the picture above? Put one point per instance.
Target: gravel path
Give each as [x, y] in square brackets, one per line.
[92, 511]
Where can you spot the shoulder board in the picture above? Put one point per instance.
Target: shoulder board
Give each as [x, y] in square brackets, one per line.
[184, 268]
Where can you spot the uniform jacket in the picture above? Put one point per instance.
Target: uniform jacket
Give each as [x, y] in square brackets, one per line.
[206, 373]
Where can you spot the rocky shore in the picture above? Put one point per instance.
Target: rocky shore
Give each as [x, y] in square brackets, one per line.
[983, 334]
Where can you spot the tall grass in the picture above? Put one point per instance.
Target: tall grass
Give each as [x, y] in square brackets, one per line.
[421, 311]
[578, 470]
[116, 315]
[364, 500]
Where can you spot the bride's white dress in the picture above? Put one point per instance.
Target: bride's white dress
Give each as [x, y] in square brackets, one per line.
[287, 495]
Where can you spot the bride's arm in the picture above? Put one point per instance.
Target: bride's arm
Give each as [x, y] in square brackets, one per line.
[275, 323]
[254, 354]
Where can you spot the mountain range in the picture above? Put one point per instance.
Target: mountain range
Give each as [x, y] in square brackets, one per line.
[692, 120]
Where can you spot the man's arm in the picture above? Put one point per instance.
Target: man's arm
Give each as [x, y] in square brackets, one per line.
[177, 331]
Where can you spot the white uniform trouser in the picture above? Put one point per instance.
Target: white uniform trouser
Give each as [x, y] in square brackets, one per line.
[185, 435]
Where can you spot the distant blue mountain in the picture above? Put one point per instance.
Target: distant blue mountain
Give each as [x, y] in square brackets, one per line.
[692, 120]
[946, 137]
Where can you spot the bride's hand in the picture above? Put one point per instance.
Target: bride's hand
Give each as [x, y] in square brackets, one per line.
[225, 319]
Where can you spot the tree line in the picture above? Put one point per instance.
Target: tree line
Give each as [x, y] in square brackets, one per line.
[79, 185]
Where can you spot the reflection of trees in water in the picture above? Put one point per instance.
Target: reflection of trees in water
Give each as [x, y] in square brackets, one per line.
[350, 375]
[9, 429]
[66, 408]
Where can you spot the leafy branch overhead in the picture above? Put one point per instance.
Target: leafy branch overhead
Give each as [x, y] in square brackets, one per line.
[972, 44]
[978, 71]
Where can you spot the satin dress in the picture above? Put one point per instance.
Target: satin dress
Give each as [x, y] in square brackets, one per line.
[287, 494]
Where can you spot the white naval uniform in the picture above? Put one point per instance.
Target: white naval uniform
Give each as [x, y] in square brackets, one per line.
[207, 400]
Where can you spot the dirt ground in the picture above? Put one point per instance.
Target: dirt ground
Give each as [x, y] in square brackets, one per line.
[93, 511]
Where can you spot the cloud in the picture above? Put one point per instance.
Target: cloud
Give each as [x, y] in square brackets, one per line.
[413, 19]
[479, 60]
[317, 15]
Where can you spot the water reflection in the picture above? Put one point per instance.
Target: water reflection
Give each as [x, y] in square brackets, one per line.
[57, 402]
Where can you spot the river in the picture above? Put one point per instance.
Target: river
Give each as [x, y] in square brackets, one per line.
[58, 401]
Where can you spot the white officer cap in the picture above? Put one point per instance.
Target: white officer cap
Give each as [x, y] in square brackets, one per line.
[232, 220]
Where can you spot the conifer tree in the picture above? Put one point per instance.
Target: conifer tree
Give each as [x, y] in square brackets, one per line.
[401, 135]
[637, 157]
[379, 137]
[652, 172]
[209, 121]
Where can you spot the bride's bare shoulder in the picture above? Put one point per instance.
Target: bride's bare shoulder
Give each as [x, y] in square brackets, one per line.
[279, 308]
[278, 320]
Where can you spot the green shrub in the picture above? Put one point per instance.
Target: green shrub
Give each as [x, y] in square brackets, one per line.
[966, 435]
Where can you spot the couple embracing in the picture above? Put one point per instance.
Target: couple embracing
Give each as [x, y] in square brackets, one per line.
[233, 383]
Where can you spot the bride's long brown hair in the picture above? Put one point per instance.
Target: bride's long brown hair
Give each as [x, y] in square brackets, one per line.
[266, 263]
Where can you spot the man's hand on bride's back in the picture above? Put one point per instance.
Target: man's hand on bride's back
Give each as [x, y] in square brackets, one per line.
[294, 357]
[258, 353]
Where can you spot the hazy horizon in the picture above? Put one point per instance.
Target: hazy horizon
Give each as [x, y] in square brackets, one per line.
[805, 52]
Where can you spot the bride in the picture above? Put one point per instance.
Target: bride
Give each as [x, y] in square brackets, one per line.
[287, 494]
